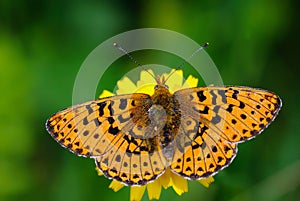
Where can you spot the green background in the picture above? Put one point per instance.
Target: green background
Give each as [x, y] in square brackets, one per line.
[43, 43]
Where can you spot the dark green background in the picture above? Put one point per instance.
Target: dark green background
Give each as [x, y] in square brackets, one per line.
[42, 45]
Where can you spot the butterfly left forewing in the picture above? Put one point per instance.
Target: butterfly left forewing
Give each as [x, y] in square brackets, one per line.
[113, 131]
[91, 128]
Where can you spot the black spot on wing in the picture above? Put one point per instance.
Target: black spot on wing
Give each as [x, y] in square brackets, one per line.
[97, 122]
[205, 111]
[229, 108]
[201, 96]
[216, 108]
[89, 109]
[235, 93]
[216, 119]
[85, 121]
[122, 120]
[110, 120]
[113, 130]
[223, 95]
[109, 107]
[101, 108]
[242, 105]
[214, 97]
[123, 103]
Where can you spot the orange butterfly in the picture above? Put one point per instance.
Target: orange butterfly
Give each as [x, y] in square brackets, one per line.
[194, 131]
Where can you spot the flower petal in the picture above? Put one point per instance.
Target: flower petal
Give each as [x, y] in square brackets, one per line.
[125, 86]
[115, 185]
[175, 81]
[98, 171]
[165, 179]
[179, 184]
[105, 94]
[207, 181]
[146, 78]
[137, 192]
[154, 190]
[146, 89]
[190, 82]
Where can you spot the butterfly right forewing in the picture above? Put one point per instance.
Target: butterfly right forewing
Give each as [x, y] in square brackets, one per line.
[214, 119]
[237, 113]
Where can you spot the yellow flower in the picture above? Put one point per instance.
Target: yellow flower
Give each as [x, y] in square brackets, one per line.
[167, 179]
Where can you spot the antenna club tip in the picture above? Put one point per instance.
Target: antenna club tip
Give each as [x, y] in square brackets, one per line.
[115, 44]
[206, 44]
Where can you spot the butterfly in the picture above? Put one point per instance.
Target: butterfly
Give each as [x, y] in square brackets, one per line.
[194, 132]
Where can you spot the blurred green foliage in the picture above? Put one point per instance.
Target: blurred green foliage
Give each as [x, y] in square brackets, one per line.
[43, 44]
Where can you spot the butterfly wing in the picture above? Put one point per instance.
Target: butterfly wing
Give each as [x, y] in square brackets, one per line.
[203, 152]
[214, 120]
[112, 130]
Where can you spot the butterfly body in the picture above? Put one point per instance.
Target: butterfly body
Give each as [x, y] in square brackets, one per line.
[168, 117]
[194, 132]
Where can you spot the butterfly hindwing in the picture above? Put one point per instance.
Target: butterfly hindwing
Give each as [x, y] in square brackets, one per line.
[204, 153]
[142, 162]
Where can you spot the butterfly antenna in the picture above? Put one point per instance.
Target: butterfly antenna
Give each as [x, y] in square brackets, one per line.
[186, 61]
[119, 47]
[192, 55]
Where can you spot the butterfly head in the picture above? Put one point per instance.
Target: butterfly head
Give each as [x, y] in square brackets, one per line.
[162, 95]
[161, 83]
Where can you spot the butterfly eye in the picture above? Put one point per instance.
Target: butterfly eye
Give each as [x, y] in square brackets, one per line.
[156, 86]
[167, 87]
[175, 109]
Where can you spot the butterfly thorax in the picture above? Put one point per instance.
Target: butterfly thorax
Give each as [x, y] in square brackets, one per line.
[165, 115]
[162, 95]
